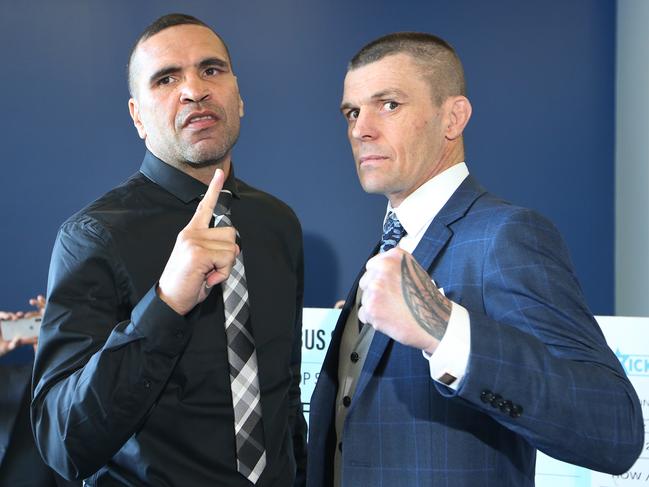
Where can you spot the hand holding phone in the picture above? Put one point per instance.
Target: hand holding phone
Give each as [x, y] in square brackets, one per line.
[20, 328]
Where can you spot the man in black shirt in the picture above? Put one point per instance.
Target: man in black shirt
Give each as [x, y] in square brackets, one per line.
[132, 379]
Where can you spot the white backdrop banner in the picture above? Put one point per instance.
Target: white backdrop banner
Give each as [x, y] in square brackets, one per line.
[627, 337]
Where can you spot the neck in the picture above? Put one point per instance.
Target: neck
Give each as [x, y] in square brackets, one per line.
[452, 154]
[205, 173]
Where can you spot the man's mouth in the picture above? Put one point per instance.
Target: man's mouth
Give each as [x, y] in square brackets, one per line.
[201, 120]
[370, 158]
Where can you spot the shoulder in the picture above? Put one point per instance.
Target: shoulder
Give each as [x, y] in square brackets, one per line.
[493, 215]
[512, 233]
[116, 208]
[502, 230]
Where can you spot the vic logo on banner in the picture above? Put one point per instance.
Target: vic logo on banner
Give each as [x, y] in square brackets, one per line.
[633, 364]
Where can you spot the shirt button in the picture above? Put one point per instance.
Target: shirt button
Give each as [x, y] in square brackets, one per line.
[347, 401]
[354, 357]
[147, 384]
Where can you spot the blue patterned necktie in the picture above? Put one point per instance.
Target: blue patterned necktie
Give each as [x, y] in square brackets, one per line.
[242, 357]
[392, 232]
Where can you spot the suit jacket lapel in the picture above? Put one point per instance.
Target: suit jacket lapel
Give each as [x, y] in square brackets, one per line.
[438, 232]
[434, 240]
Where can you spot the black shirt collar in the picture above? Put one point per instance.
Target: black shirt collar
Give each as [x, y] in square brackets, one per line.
[181, 185]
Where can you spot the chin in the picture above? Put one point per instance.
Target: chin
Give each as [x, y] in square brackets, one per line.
[373, 187]
[202, 163]
[204, 158]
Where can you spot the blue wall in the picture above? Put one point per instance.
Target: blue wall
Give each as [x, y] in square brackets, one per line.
[540, 77]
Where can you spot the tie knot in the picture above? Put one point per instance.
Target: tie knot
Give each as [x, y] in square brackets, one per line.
[222, 210]
[392, 232]
[223, 204]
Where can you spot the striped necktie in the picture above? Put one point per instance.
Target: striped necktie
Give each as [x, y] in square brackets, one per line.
[242, 358]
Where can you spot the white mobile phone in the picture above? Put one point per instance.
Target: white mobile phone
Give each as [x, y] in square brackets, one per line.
[20, 328]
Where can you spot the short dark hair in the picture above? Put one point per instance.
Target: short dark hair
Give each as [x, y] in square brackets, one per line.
[160, 24]
[440, 64]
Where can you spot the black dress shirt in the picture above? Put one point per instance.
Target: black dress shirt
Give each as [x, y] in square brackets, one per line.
[127, 392]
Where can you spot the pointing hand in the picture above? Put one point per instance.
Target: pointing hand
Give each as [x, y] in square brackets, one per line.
[202, 256]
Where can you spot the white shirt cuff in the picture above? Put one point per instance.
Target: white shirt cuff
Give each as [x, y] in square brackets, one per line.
[449, 361]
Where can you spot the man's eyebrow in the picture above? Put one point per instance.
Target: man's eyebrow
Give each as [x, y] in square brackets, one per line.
[388, 93]
[214, 61]
[162, 72]
[207, 62]
[380, 95]
[346, 106]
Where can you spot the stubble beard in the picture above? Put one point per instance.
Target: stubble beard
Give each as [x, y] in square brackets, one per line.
[197, 157]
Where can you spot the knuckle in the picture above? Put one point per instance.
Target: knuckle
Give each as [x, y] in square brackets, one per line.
[192, 247]
[374, 286]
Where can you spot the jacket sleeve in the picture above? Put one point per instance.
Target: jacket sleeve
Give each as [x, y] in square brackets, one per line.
[539, 363]
[296, 415]
[101, 362]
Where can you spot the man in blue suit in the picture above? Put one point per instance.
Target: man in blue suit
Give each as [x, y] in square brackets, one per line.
[465, 344]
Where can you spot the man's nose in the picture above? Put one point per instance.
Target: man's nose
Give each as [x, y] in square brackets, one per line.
[365, 127]
[194, 90]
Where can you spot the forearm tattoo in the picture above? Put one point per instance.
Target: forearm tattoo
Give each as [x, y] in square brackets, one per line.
[430, 309]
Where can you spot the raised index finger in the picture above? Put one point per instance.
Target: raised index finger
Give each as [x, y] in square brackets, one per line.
[205, 209]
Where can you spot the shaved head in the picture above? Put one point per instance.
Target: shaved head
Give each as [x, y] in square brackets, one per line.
[158, 25]
[437, 60]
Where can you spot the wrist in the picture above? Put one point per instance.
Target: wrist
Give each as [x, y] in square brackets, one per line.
[432, 345]
[169, 301]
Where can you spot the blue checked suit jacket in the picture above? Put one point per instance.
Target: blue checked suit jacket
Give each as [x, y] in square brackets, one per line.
[535, 347]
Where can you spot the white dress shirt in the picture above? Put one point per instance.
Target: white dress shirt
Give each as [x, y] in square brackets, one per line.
[416, 213]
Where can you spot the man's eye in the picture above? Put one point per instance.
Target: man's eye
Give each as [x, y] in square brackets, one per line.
[352, 114]
[390, 106]
[211, 71]
[164, 81]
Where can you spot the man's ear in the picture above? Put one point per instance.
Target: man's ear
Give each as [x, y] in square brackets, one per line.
[236, 82]
[459, 113]
[135, 115]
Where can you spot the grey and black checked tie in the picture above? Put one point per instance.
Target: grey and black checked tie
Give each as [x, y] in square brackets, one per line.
[242, 357]
[392, 232]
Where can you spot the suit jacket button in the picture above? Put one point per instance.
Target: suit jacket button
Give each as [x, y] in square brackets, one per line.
[354, 357]
[486, 396]
[516, 411]
[506, 407]
[495, 402]
[347, 401]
